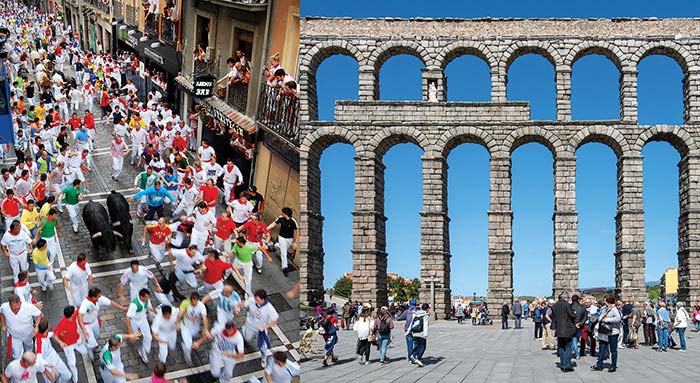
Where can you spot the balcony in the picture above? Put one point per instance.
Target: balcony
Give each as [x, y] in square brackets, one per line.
[151, 26]
[130, 16]
[99, 5]
[279, 113]
[118, 9]
[167, 31]
[237, 97]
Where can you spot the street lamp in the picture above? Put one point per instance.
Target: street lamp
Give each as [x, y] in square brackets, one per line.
[113, 43]
[475, 296]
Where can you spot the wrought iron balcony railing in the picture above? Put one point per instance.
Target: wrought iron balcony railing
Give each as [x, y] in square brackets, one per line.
[130, 16]
[279, 112]
[237, 97]
[118, 9]
[167, 31]
[151, 26]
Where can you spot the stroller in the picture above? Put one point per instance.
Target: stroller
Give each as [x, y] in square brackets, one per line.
[483, 318]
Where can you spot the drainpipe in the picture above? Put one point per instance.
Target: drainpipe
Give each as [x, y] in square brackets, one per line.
[261, 64]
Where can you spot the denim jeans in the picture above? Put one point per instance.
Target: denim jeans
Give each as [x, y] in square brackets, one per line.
[504, 322]
[409, 344]
[575, 342]
[611, 345]
[681, 334]
[419, 345]
[517, 321]
[697, 325]
[565, 350]
[663, 337]
[383, 341]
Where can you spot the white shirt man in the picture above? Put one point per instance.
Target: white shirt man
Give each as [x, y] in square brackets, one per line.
[261, 315]
[229, 302]
[188, 196]
[226, 349]
[15, 243]
[137, 319]
[164, 330]
[213, 169]
[138, 141]
[232, 177]
[79, 278]
[192, 314]
[204, 221]
[241, 209]
[47, 354]
[18, 318]
[89, 312]
[185, 259]
[137, 278]
[205, 153]
[26, 369]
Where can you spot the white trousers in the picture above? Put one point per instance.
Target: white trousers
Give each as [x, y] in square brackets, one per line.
[183, 206]
[52, 244]
[221, 366]
[19, 346]
[93, 334]
[117, 166]
[70, 357]
[188, 278]
[247, 268]
[188, 334]
[199, 238]
[222, 244]
[147, 338]
[78, 293]
[157, 251]
[64, 374]
[107, 377]
[284, 243]
[18, 263]
[73, 212]
[45, 277]
[251, 337]
[163, 348]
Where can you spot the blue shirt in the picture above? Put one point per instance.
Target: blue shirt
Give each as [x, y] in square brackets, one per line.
[172, 178]
[663, 314]
[155, 196]
[81, 135]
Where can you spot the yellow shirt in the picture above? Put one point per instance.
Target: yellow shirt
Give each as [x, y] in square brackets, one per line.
[133, 123]
[40, 112]
[28, 218]
[40, 257]
[45, 210]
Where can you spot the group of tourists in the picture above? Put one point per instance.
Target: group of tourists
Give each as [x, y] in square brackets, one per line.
[54, 86]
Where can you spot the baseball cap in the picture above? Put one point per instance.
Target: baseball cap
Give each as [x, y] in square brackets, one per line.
[412, 303]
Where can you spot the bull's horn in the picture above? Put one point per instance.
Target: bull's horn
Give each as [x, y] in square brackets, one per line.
[99, 233]
[118, 234]
[116, 223]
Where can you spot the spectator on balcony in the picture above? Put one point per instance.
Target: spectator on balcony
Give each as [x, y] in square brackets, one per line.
[245, 64]
[152, 11]
[269, 73]
[232, 73]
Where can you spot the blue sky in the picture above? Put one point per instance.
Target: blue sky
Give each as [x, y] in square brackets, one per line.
[594, 96]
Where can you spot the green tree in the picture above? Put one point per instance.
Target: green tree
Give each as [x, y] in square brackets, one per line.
[413, 288]
[343, 287]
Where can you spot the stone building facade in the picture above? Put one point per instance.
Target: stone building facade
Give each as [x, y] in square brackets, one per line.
[373, 126]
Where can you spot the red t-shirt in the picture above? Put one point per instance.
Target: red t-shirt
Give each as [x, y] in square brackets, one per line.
[254, 232]
[11, 206]
[179, 143]
[40, 191]
[159, 235]
[224, 229]
[74, 123]
[210, 193]
[215, 270]
[89, 121]
[67, 330]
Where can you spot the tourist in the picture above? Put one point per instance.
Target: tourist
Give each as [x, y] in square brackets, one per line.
[635, 323]
[580, 321]
[696, 318]
[517, 313]
[419, 330]
[363, 327]
[538, 319]
[406, 315]
[330, 325]
[681, 323]
[610, 319]
[505, 311]
[564, 317]
[459, 313]
[547, 337]
[649, 317]
[383, 325]
[663, 320]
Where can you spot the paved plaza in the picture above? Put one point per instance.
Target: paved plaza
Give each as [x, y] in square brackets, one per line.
[466, 353]
[107, 271]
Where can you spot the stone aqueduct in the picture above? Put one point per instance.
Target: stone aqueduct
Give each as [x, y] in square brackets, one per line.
[372, 127]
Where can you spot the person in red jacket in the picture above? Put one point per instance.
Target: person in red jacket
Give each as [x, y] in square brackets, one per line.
[104, 103]
[75, 122]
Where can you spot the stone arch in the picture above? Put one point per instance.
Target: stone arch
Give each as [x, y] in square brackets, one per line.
[605, 48]
[320, 139]
[666, 48]
[460, 48]
[392, 48]
[677, 136]
[606, 135]
[537, 134]
[520, 48]
[460, 135]
[386, 138]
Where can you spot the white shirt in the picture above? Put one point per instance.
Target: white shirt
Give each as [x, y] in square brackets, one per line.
[223, 343]
[193, 316]
[165, 326]
[282, 374]
[205, 153]
[24, 293]
[184, 262]
[259, 316]
[120, 130]
[16, 244]
[233, 176]
[136, 315]
[19, 374]
[91, 311]
[213, 170]
[138, 136]
[240, 211]
[20, 325]
[136, 281]
[201, 219]
[77, 277]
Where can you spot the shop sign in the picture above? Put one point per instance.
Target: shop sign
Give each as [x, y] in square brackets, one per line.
[203, 86]
[154, 56]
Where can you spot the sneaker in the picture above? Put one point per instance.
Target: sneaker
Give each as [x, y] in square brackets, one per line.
[682, 350]
[259, 270]
[596, 368]
[285, 271]
[412, 359]
[359, 359]
[143, 356]
[263, 362]
[325, 363]
[419, 363]
[366, 363]
[334, 360]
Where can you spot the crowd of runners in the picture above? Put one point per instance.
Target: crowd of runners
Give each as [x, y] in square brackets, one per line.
[54, 86]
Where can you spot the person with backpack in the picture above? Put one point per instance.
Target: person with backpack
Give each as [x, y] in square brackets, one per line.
[383, 325]
[547, 319]
[408, 315]
[419, 330]
[329, 323]
[363, 327]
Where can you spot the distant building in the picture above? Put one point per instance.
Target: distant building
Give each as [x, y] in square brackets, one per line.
[669, 282]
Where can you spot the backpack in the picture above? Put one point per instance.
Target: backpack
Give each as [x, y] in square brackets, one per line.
[417, 325]
[325, 324]
[384, 327]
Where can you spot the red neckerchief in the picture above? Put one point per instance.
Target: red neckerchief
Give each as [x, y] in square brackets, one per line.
[21, 283]
[223, 332]
[50, 220]
[82, 267]
[229, 168]
[187, 251]
[93, 300]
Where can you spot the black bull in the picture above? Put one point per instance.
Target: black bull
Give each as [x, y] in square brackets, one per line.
[120, 217]
[97, 222]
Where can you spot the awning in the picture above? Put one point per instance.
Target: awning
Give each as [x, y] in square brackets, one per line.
[130, 37]
[164, 56]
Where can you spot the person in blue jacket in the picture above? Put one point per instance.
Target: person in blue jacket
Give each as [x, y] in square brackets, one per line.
[155, 196]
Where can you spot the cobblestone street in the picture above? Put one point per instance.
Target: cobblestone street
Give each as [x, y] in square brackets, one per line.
[107, 271]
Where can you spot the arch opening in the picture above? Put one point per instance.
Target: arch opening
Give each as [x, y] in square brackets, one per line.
[531, 77]
[400, 78]
[595, 88]
[660, 84]
[468, 78]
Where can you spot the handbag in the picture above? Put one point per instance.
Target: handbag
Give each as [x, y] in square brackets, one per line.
[604, 328]
[372, 338]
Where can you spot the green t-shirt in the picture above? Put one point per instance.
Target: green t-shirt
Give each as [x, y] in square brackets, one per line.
[72, 194]
[245, 254]
[49, 228]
